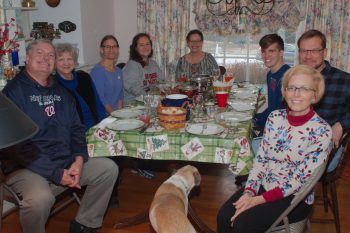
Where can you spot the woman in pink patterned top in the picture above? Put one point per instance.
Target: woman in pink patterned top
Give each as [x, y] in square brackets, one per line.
[296, 141]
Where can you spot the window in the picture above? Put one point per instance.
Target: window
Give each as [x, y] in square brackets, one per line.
[240, 53]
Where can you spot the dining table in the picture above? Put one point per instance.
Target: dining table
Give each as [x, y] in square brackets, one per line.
[203, 139]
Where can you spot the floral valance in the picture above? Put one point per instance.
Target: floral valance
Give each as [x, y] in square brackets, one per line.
[228, 17]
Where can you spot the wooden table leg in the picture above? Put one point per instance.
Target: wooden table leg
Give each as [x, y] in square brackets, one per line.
[192, 214]
[196, 221]
[138, 219]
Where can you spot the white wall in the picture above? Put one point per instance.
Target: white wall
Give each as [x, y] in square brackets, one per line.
[66, 10]
[98, 20]
[94, 19]
[125, 25]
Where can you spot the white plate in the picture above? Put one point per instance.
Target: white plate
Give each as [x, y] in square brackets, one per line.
[200, 129]
[126, 113]
[244, 95]
[154, 129]
[232, 117]
[239, 101]
[126, 124]
[250, 85]
[247, 85]
[139, 107]
[105, 122]
[241, 107]
[139, 98]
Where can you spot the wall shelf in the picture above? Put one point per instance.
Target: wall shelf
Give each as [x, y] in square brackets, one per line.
[26, 39]
[21, 8]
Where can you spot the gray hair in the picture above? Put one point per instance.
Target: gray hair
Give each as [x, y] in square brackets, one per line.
[67, 47]
[30, 46]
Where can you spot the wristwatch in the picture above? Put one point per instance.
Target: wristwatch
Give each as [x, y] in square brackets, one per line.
[250, 194]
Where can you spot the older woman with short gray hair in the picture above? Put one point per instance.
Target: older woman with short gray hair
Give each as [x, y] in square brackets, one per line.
[79, 83]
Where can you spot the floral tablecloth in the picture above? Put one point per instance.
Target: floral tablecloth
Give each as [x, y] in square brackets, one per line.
[230, 147]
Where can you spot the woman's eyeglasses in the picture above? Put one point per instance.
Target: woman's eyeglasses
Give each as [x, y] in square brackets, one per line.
[110, 46]
[302, 90]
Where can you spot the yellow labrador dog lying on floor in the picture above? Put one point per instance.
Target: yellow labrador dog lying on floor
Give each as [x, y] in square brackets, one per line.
[168, 212]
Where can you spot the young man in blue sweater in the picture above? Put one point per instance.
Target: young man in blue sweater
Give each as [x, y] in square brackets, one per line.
[272, 49]
[58, 152]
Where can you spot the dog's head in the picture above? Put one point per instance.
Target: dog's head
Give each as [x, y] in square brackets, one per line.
[191, 175]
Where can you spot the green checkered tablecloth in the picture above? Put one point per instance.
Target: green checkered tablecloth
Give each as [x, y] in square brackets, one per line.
[233, 143]
[230, 147]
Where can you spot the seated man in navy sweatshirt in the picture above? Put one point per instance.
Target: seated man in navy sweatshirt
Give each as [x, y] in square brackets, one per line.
[58, 152]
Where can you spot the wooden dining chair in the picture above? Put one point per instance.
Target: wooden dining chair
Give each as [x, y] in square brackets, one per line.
[329, 188]
[9, 200]
[282, 222]
[121, 65]
[222, 70]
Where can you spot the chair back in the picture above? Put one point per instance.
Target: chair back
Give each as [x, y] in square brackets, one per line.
[335, 173]
[222, 70]
[299, 196]
[121, 65]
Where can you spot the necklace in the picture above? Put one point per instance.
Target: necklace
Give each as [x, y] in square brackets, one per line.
[108, 67]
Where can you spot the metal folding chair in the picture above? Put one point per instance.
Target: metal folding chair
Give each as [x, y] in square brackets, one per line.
[282, 222]
[222, 70]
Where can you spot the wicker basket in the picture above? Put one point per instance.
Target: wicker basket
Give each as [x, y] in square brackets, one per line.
[172, 117]
[226, 88]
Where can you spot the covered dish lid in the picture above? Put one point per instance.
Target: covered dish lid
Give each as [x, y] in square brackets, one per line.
[188, 88]
[201, 78]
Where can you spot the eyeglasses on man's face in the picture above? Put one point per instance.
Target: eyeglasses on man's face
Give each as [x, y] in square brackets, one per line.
[310, 51]
[302, 90]
[110, 46]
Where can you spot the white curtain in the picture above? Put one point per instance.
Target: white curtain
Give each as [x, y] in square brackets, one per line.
[167, 22]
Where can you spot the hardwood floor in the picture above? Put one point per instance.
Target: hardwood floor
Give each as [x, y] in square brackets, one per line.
[136, 193]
